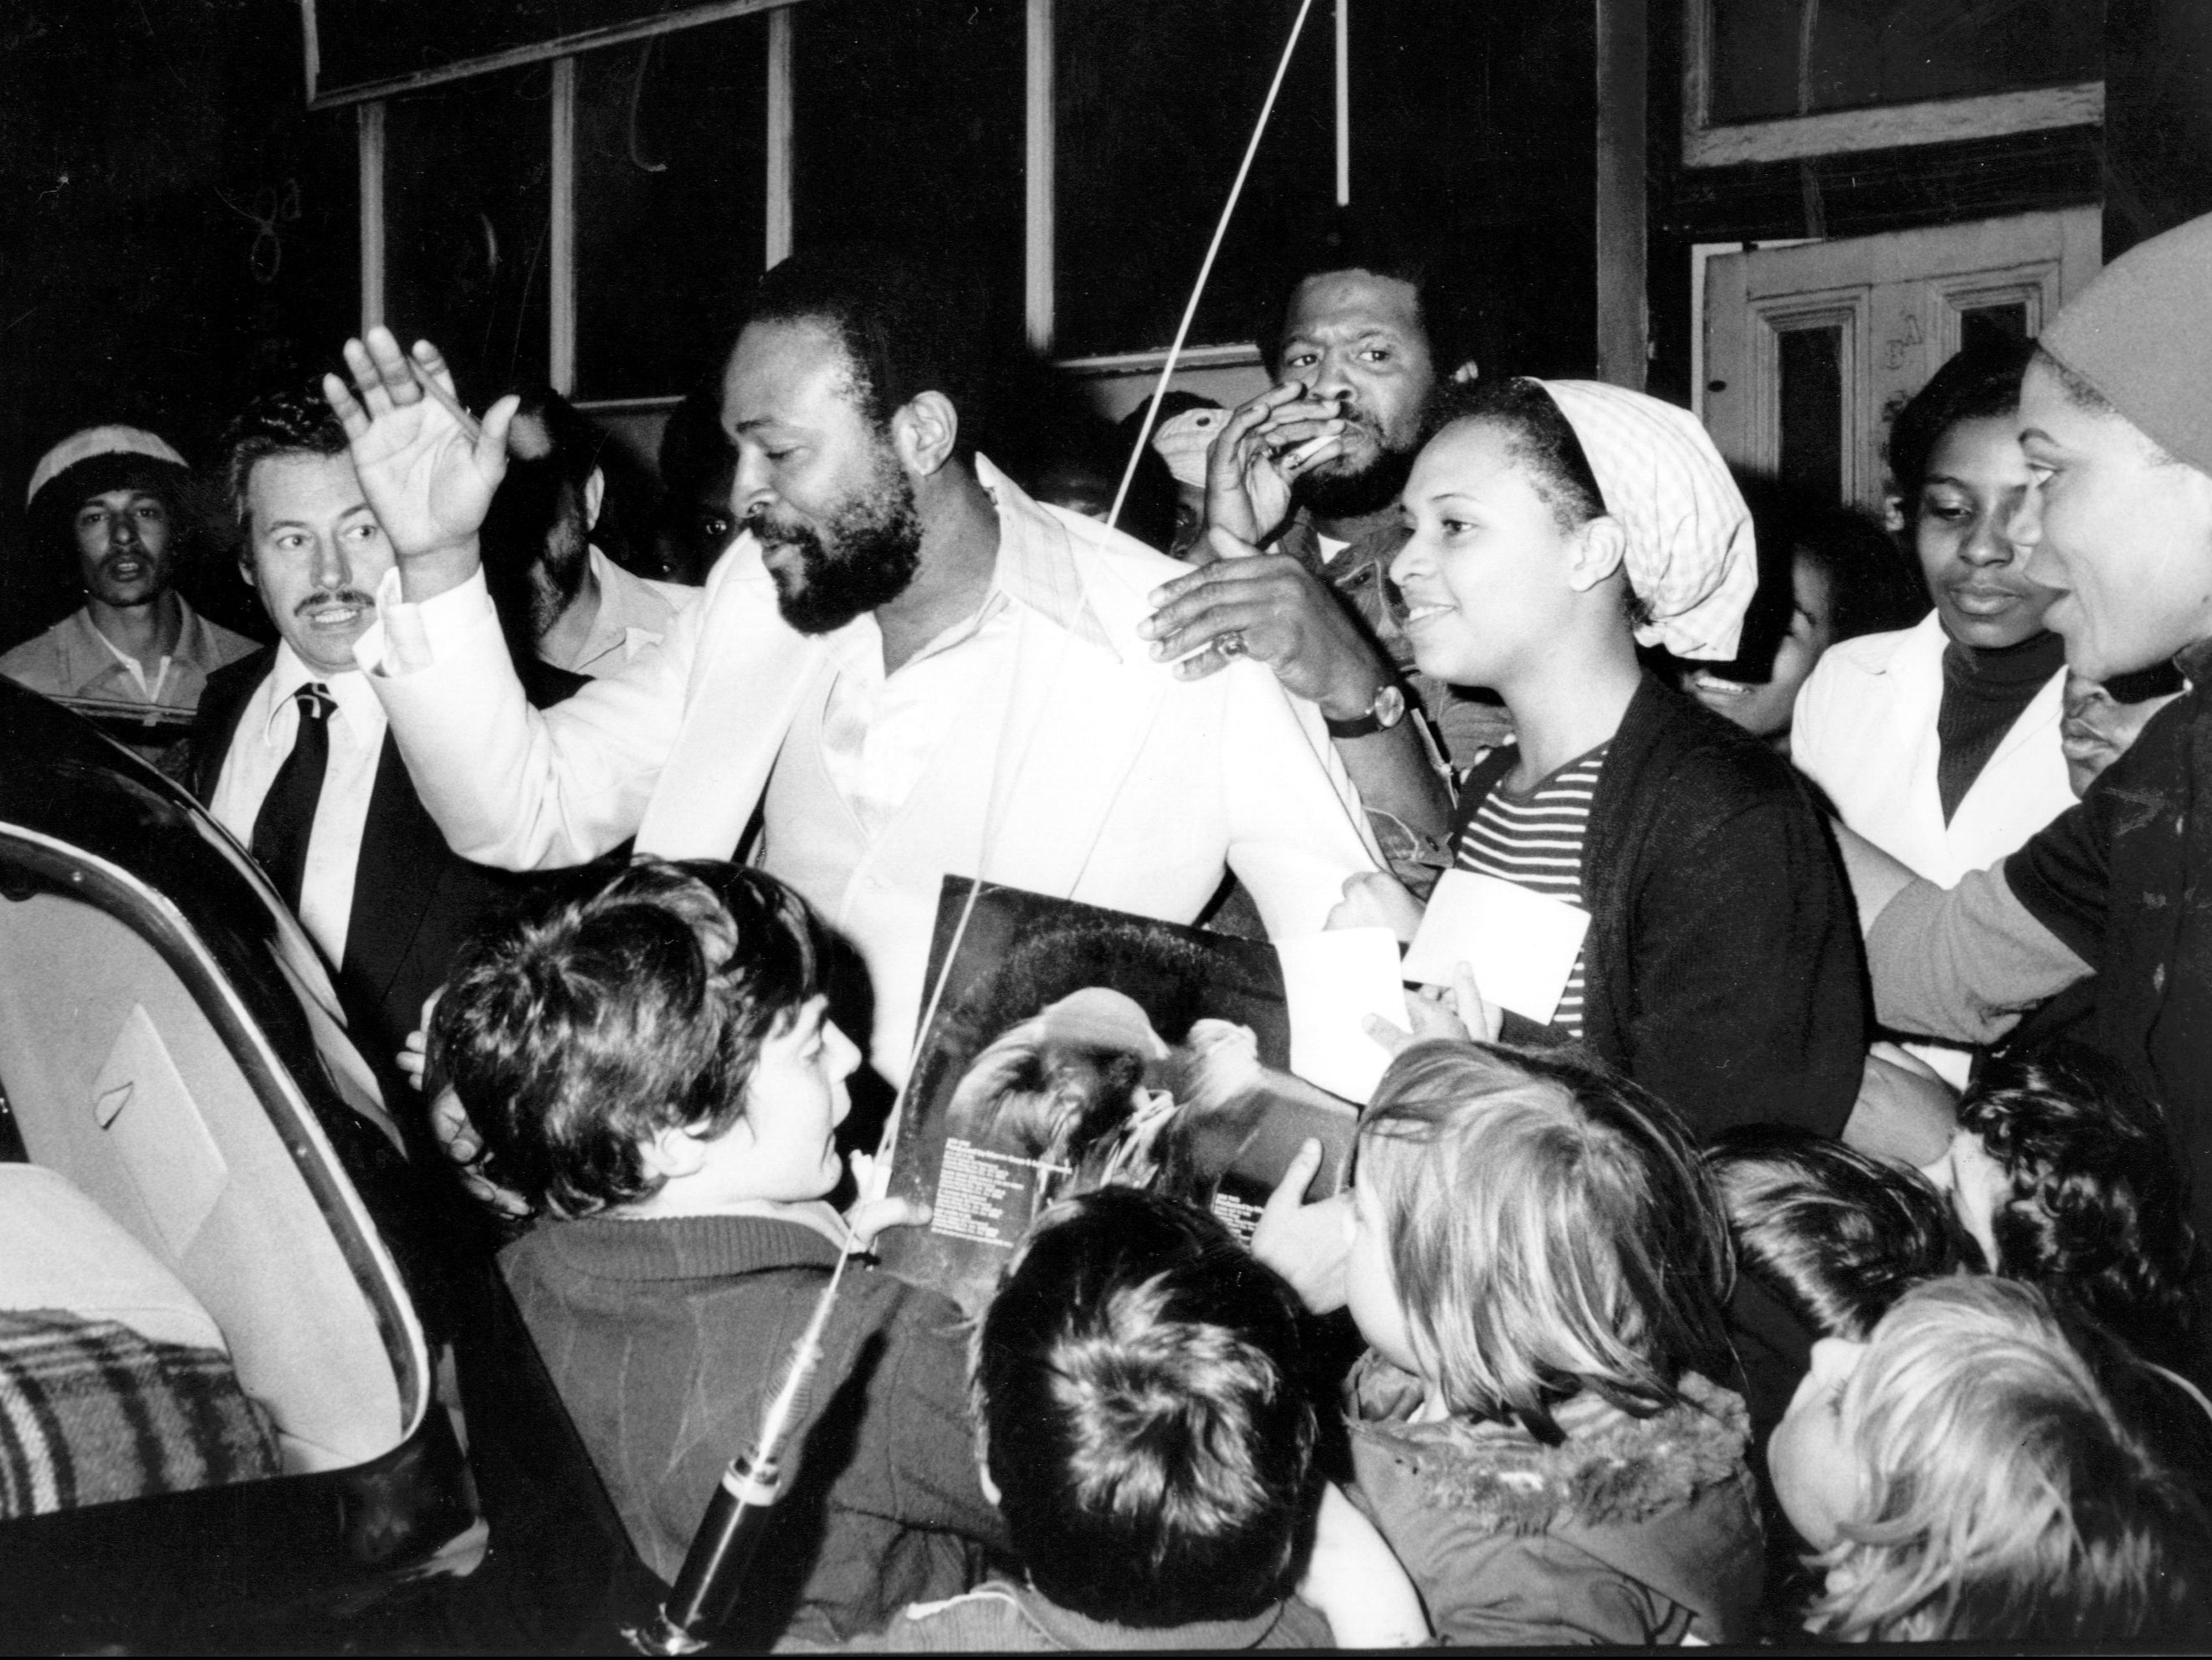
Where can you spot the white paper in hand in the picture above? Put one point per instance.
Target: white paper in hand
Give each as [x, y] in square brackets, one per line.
[1332, 981]
[1522, 944]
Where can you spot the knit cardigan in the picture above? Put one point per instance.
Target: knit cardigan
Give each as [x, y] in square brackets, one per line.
[1723, 968]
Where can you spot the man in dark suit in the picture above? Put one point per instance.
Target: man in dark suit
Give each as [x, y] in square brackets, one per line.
[290, 749]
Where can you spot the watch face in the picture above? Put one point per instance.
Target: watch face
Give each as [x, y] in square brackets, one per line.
[1389, 707]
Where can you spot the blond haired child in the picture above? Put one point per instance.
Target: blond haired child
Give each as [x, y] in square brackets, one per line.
[1538, 1262]
[1979, 1470]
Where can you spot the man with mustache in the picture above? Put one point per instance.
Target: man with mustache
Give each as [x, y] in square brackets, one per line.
[134, 656]
[905, 667]
[291, 751]
[1310, 471]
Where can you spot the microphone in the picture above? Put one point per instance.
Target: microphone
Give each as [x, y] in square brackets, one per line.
[708, 1585]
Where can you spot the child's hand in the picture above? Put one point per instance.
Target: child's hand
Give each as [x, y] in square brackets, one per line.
[415, 1053]
[1459, 1014]
[1307, 1244]
[1372, 900]
[458, 1139]
[873, 1211]
[1355, 1582]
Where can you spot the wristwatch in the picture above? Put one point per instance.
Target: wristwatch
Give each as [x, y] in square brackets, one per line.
[1386, 711]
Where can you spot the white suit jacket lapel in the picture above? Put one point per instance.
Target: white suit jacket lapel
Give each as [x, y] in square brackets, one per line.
[1078, 718]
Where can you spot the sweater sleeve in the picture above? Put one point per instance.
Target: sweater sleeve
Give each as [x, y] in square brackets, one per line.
[1748, 1000]
[1964, 962]
[919, 1397]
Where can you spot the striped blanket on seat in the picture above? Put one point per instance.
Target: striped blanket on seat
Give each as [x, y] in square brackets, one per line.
[92, 1412]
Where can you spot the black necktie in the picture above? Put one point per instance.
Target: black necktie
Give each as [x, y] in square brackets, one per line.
[286, 818]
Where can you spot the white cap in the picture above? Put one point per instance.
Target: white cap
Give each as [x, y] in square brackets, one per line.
[95, 441]
[1183, 439]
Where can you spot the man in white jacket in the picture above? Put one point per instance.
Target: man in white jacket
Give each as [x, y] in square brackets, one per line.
[905, 668]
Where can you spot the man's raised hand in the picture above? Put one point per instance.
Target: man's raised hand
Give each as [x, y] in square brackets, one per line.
[428, 479]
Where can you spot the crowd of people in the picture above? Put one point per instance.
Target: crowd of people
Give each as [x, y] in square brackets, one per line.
[1826, 1264]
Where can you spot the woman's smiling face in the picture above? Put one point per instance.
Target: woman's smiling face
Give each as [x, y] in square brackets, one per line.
[1485, 573]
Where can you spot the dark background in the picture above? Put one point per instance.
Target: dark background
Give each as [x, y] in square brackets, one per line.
[178, 232]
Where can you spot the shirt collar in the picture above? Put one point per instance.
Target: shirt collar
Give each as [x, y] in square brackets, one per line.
[1077, 1630]
[628, 605]
[357, 704]
[86, 654]
[1036, 561]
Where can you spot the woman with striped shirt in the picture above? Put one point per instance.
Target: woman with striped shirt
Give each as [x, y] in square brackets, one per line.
[1555, 525]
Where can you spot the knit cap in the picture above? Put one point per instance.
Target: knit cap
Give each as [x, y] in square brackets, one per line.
[84, 461]
[2141, 336]
[1691, 558]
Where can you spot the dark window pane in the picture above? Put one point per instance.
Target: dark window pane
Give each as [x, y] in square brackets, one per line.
[909, 119]
[466, 207]
[670, 203]
[1982, 326]
[1157, 100]
[1895, 51]
[1813, 411]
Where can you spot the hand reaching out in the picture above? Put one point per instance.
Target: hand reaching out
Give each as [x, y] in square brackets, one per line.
[1458, 1015]
[1375, 900]
[428, 479]
[1307, 1244]
[871, 1210]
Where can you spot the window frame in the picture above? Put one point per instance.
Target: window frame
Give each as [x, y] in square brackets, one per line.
[1707, 144]
[1039, 269]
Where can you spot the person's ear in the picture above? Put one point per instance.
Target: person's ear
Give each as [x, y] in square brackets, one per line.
[672, 1152]
[1600, 548]
[246, 570]
[924, 432]
[1466, 372]
[595, 494]
[1892, 513]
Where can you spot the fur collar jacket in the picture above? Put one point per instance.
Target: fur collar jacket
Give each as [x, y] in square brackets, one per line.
[1632, 1530]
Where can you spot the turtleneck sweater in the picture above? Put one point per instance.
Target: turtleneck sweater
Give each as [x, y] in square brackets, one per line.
[1985, 691]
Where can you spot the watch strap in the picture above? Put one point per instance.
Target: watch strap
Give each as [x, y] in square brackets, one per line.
[1387, 710]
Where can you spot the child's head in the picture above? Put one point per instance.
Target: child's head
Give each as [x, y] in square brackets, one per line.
[2065, 1175]
[1137, 1377]
[1528, 1224]
[1826, 574]
[667, 1026]
[1965, 1473]
[1568, 517]
[1959, 474]
[1836, 1236]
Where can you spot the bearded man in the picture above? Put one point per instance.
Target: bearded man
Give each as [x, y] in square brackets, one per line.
[903, 669]
[1310, 471]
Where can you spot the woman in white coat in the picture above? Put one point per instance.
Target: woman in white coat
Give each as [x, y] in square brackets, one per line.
[1939, 742]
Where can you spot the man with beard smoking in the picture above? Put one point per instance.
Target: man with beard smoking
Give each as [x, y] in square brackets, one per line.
[905, 666]
[583, 612]
[1311, 469]
[290, 751]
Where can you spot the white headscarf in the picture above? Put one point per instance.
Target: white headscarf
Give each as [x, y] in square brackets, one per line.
[1691, 558]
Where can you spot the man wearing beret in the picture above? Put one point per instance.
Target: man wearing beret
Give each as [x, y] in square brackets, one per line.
[2116, 422]
[135, 657]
